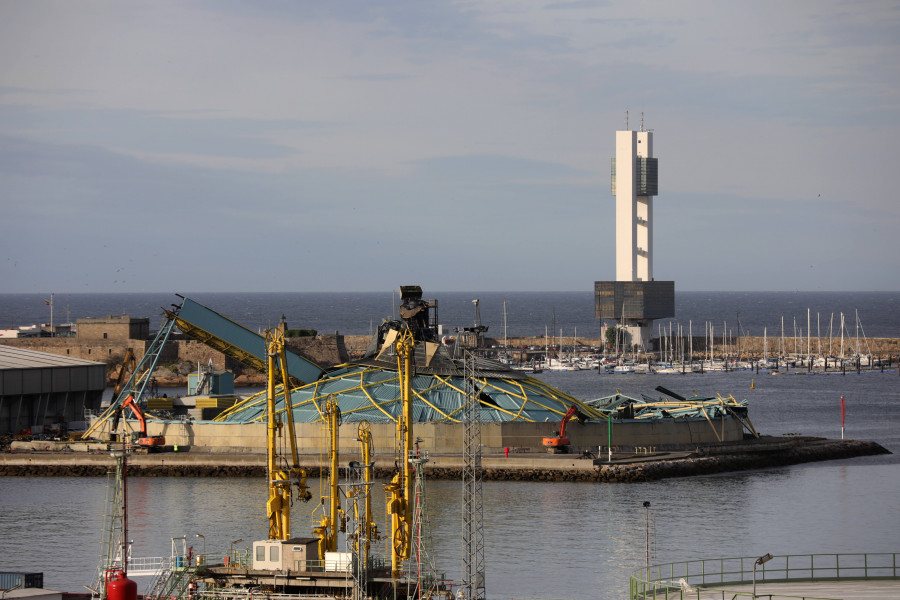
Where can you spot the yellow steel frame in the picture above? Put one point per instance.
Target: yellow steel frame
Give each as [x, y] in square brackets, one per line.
[399, 490]
[333, 520]
[369, 529]
[278, 507]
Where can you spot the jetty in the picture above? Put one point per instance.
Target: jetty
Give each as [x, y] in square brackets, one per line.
[49, 459]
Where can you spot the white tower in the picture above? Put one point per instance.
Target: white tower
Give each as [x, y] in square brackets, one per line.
[634, 184]
[635, 298]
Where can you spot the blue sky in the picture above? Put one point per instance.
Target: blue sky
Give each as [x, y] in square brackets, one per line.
[358, 146]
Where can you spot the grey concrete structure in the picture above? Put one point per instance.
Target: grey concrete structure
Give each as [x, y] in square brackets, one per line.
[40, 391]
[444, 438]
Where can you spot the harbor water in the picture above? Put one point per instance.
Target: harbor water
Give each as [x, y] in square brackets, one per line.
[543, 540]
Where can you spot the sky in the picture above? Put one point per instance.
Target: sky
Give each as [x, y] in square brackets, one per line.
[224, 145]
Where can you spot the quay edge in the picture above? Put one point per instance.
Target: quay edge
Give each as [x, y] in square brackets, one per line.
[625, 468]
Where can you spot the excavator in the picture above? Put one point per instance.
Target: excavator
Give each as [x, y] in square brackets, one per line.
[153, 443]
[558, 443]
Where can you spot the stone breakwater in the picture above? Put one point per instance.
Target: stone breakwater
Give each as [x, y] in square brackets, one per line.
[690, 466]
[532, 468]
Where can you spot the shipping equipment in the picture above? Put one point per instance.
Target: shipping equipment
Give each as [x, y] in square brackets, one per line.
[399, 490]
[281, 479]
[138, 381]
[150, 442]
[335, 519]
[128, 364]
[558, 443]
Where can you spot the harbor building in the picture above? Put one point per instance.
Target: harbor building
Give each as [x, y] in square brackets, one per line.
[635, 299]
[114, 327]
[44, 392]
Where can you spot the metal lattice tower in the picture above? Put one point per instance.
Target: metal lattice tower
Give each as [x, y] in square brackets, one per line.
[420, 570]
[356, 490]
[472, 587]
[113, 527]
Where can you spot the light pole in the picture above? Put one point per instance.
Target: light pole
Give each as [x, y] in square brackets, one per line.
[202, 537]
[759, 561]
[647, 532]
[231, 548]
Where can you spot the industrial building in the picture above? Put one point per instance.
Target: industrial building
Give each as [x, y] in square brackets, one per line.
[44, 392]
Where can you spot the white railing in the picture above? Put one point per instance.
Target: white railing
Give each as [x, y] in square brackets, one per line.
[148, 565]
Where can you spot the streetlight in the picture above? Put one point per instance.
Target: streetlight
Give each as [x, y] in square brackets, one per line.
[202, 537]
[647, 531]
[231, 547]
[759, 561]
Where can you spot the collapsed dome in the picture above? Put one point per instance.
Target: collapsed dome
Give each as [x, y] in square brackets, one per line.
[369, 390]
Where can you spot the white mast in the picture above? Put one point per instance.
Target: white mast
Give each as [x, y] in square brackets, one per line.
[842, 336]
[505, 338]
[691, 335]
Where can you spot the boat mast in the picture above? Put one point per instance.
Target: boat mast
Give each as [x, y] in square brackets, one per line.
[842, 336]
[818, 334]
[505, 338]
[808, 330]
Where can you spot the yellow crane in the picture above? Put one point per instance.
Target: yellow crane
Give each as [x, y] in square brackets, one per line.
[399, 490]
[368, 530]
[128, 365]
[280, 475]
[333, 520]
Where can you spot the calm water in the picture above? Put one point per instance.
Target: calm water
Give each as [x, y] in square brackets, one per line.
[559, 540]
[527, 313]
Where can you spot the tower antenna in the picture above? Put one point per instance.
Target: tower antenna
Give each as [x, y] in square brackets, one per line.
[626, 119]
[642, 120]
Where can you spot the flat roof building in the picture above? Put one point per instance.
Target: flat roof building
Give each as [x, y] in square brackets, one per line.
[113, 327]
[41, 391]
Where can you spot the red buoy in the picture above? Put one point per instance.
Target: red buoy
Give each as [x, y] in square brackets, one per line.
[119, 587]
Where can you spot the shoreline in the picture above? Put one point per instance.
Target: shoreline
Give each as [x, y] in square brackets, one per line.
[625, 468]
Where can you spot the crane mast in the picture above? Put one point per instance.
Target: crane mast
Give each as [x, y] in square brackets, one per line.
[333, 520]
[280, 479]
[400, 488]
[369, 528]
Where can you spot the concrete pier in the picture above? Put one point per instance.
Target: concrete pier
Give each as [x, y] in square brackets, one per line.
[624, 468]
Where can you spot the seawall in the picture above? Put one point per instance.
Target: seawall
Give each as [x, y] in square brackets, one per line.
[761, 454]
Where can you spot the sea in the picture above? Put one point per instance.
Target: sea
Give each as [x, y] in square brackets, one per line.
[548, 540]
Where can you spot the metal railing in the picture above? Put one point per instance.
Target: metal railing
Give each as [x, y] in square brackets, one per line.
[688, 580]
[148, 565]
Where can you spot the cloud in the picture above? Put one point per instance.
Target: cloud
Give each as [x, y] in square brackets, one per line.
[348, 143]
